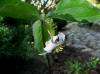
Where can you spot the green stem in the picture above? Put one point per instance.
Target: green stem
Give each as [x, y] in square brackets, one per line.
[47, 56]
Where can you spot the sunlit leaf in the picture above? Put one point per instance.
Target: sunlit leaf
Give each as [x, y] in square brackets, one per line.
[79, 10]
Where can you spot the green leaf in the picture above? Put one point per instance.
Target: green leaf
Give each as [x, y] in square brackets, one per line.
[67, 17]
[8, 2]
[20, 11]
[37, 33]
[38, 36]
[79, 10]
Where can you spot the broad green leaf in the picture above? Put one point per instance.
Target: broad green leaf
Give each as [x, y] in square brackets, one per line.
[8, 2]
[37, 33]
[67, 17]
[20, 11]
[38, 36]
[80, 10]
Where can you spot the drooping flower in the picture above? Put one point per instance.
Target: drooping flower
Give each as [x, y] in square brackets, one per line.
[53, 43]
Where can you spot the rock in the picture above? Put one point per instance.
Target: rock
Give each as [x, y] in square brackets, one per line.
[95, 54]
[92, 44]
[79, 46]
[76, 41]
[87, 34]
[97, 35]
[93, 33]
[87, 50]
[98, 51]
[84, 42]
[68, 44]
[98, 45]
[90, 38]
[98, 42]
[83, 38]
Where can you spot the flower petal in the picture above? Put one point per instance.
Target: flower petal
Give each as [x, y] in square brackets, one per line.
[54, 42]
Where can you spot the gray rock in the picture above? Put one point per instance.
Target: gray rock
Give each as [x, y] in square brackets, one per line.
[79, 46]
[96, 54]
[87, 34]
[98, 45]
[98, 42]
[92, 44]
[90, 38]
[76, 41]
[93, 33]
[83, 38]
[98, 51]
[68, 43]
[84, 42]
[87, 50]
[97, 35]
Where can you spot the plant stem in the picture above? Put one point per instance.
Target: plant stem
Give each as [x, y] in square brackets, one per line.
[47, 56]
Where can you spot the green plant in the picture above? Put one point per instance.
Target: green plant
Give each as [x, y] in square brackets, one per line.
[15, 41]
[77, 67]
[92, 62]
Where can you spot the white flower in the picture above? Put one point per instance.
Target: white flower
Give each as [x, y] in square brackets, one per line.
[53, 43]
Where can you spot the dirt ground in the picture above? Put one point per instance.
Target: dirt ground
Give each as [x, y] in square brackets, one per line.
[17, 65]
[58, 63]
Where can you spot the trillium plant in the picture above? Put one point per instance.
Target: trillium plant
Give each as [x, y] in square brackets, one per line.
[42, 11]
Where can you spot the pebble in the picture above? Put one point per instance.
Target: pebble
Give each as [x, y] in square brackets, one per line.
[96, 54]
[79, 46]
[87, 50]
[98, 51]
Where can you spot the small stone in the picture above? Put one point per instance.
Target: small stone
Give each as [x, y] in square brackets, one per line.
[76, 41]
[87, 50]
[68, 43]
[90, 38]
[96, 54]
[98, 45]
[93, 33]
[98, 51]
[84, 42]
[87, 34]
[97, 35]
[83, 38]
[79, 46]
[98, 42]
[92, 44]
